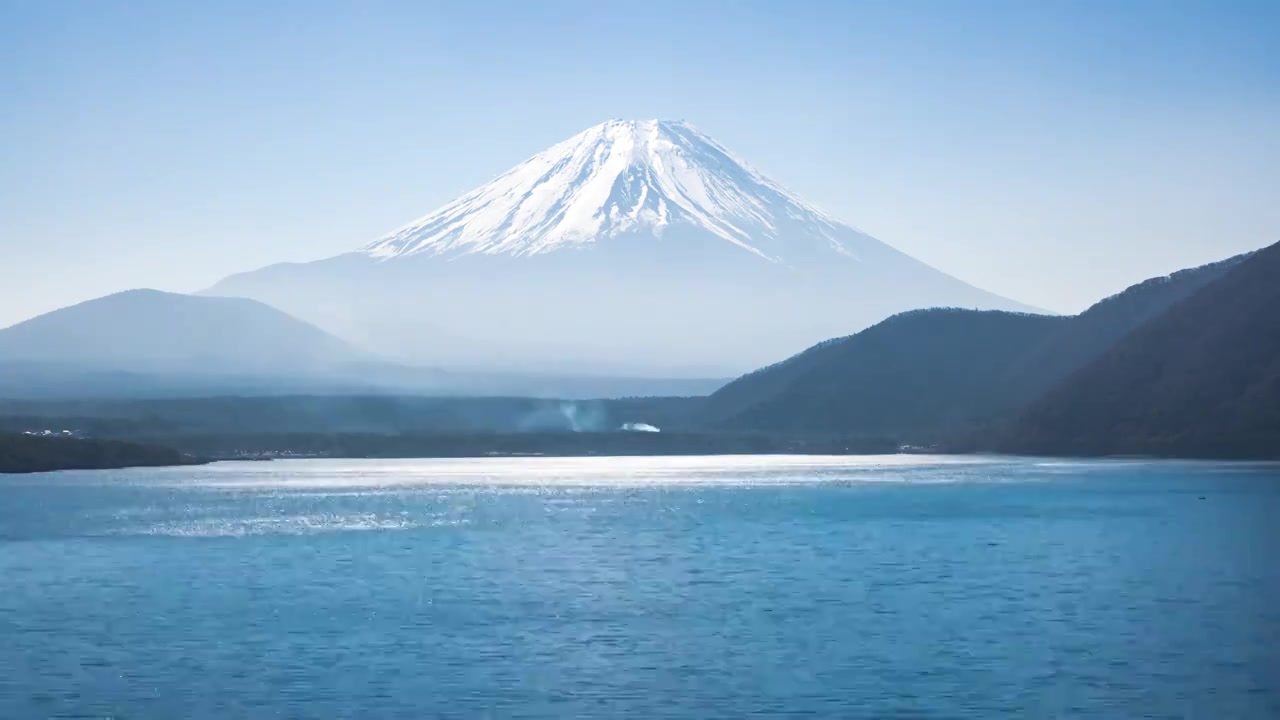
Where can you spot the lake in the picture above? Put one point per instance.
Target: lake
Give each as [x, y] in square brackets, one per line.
[716, 587]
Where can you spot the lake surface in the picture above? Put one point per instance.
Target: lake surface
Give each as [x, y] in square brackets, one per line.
[889, 587]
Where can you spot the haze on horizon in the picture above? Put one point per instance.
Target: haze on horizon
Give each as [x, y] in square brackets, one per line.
[169, 145]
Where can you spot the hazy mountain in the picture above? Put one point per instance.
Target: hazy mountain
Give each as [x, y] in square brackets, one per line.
[147, 331]
[146, 343]
[1202, 379]
[637, 247]
[922, 374]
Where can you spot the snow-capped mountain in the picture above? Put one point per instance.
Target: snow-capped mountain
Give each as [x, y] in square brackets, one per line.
[634, 246]
[612, 179]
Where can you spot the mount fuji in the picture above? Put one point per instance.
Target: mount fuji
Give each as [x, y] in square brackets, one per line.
[634, 246]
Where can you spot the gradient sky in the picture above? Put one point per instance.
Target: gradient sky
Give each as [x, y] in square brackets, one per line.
[1053, 152]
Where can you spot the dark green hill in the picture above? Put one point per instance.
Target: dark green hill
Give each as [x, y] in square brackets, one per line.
[20, 453]
[912, 375]
[924, 375]
[1200, 380]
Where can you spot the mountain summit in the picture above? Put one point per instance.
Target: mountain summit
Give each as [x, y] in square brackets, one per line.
[642, 247]
[615, 178]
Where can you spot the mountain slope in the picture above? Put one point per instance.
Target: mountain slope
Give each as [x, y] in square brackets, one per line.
[145, 343]
[1200, 380]
[921, 375]
[912, 375]
[1103, 324]
[614, 179]
[152, 331]
[635, 247]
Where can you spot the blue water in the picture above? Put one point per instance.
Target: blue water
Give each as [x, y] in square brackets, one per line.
[650, 588]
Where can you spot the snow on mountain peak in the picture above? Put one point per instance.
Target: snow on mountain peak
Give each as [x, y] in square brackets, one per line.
[621, 176]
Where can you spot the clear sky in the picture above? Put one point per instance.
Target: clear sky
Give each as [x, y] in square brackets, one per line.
[1053, 151]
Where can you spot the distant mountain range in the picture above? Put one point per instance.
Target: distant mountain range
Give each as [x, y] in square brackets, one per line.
[633, 247]
[965, 377]
[1183, 365]
[147, 331]
[146, 343]
[630, 257]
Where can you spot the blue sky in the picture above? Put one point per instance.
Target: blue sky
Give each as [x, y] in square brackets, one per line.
[1054, 151]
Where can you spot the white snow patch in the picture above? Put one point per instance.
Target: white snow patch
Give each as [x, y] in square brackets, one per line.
[617, 177]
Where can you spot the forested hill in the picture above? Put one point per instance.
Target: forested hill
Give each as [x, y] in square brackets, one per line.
[21, 453]
[912, 375]
[1200, 380]
[924, 375]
